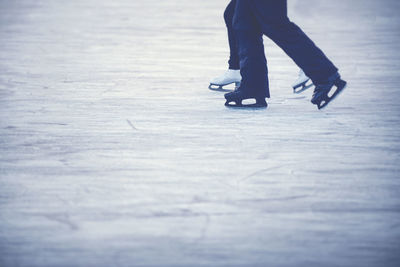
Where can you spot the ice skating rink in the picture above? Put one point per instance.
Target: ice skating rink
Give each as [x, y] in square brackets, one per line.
[113, 152]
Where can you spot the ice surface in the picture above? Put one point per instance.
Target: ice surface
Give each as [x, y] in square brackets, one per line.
[113, 152]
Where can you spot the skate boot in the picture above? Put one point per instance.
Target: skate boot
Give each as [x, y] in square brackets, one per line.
[301, 83]
[326, 92]
[234, 99]
[229, 77]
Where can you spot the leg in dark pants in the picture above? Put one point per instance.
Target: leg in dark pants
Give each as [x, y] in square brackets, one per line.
[272, 16]
[253, 64]
[228, 17]
[256, 17]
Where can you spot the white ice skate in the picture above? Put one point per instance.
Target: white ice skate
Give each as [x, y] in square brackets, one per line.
[301, 83]
[229, 77]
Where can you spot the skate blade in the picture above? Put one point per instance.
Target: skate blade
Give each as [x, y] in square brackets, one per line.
[238, 104]
[340, 86]
[220, 87]
[303, 86]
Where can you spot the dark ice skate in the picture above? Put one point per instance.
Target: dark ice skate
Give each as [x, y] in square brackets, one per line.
[324, 93]
[235, 99]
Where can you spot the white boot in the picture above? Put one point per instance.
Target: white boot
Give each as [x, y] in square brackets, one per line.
[301, 81]
[230, 76]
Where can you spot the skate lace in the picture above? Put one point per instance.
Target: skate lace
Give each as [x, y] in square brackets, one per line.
[318, 89]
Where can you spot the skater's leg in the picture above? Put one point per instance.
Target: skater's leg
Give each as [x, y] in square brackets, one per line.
[232, 75]
[228, 17]
[272, 16]
[253, 66]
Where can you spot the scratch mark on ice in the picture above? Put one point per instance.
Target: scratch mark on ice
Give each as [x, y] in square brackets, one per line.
[130, 124]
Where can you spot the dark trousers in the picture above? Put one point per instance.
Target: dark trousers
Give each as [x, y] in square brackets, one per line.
[233, 46]
[254, 18]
